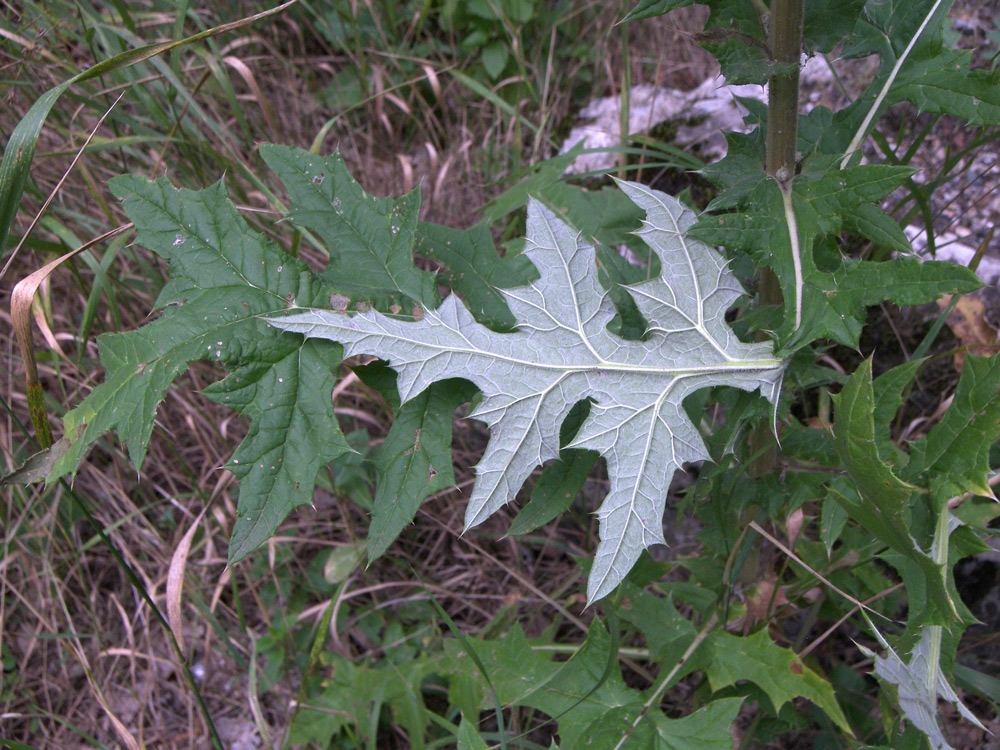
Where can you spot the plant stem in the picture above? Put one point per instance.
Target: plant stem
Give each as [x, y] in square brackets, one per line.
[624, 129]
[782, 111]
[657, 695]
[783, 97]
[782, 129]
[939, 551]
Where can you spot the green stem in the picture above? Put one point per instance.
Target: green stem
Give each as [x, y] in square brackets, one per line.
[782, 128]
[665, 681]
[939, 551]
[783, 99]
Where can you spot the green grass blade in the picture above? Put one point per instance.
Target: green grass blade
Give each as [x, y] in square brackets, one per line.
[20, 150]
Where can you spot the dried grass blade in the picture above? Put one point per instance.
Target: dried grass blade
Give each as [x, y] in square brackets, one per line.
[20, 315]
[784, 548]
[251, 81]
[175, 579]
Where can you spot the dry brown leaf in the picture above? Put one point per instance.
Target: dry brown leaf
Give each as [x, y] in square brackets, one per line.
[793, 526]
[765, 599]
[970, 323]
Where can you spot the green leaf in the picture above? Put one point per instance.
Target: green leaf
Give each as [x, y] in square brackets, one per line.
[740, 173]
[889, 390]
[660, 623]
[854, 439]
[777, 671]
[833, 194]
[575, 693]
[519, 11]
[557, 487]
[973, 680]
[828, 22]
[944, 84]
[653, 8]
[225, 279]
[494, 57]
[414, 461]
[370, 240]
[356, 696]
[293, 432]
[708, 728]
[468, 737]
[341, 562]
[605, 216]
[871, 222]
[533, 181]
[833, 517]
[16, 745]
[977, 512]
[833, 301]
[956, 450]
[560, 481]
[614, 274]
[593, 709]
[563, 353]
[742, 63]
[905, 281]
[617, 729]
[928, 73]
[886, 28]
[473, 268]
[881, 507]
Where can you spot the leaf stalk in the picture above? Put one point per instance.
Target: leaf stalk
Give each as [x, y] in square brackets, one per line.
[793, 239]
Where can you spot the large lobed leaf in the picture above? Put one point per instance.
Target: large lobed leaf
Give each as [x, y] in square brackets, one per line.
[562, 352]
[932, 76]
[370, 240]
[778, 672]
[956, 452]
[225, 278]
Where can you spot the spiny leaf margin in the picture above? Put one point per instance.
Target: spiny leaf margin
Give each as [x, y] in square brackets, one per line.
[563, 352]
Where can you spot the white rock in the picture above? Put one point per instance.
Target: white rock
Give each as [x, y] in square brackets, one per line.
[711, 104]
[707, 113]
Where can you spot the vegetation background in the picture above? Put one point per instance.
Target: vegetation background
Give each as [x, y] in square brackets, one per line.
[438, 94]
